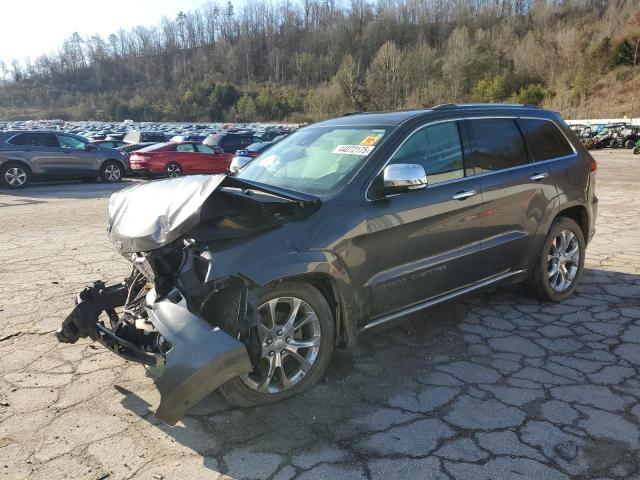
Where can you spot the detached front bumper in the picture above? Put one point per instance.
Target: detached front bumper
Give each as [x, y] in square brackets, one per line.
[188, 356]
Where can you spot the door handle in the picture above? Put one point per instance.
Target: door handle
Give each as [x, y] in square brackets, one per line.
[464, 194]
[539, 176]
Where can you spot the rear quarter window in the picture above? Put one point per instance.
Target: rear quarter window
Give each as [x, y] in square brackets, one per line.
[546, 141]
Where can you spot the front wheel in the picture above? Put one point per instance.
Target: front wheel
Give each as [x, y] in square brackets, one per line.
[561, 261]
[636, 150]
[629, 144]
[297, 333]
[111, 171]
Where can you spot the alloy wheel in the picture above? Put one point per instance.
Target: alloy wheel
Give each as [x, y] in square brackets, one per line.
[290, 332]
[15, 176]
[563, 261]
[173, 171]
[112, 173]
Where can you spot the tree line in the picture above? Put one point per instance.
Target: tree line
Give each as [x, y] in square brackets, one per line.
[312, 59]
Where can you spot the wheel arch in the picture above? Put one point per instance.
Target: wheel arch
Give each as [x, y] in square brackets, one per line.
[579, 214]
[114, 160]
[325, 272]
[12, 161]
[556, 209]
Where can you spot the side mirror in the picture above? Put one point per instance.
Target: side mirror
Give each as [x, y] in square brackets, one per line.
[89, 146]
[402, 177]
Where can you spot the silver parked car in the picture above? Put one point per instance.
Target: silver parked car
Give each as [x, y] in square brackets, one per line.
[26, 156]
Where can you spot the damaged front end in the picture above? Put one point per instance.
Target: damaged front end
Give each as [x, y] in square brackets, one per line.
[192, 327]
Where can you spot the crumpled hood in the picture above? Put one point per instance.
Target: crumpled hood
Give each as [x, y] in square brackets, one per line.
[148, 216]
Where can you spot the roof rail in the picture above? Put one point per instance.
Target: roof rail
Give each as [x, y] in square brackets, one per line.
[349, 113]
[451, 106]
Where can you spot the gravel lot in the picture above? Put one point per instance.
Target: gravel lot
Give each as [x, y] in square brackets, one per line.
[491, 386]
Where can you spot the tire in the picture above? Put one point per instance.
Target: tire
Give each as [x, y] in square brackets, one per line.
[14, 175]
[111, 171]
[636, 150]
[173, 170]
[629, 144]
[546, 286]
[253, 389]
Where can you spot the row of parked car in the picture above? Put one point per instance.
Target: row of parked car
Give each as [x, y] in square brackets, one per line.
[31, 155]
[609, 135]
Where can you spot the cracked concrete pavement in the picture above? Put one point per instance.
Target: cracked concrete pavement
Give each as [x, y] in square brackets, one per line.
[490, 386]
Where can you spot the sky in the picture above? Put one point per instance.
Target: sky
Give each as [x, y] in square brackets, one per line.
[30, 28]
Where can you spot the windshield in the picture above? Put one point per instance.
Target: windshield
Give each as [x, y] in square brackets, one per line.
[315, 160]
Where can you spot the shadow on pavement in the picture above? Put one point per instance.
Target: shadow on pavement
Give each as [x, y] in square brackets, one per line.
[492, 363]
[39, 192]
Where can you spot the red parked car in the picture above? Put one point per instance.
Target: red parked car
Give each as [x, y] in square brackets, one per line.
[173, 159]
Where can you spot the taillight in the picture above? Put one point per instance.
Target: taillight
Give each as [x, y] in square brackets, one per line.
[253, 154]
[594, 165]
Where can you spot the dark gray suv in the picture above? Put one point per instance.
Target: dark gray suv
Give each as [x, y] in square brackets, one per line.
[248, 282]
[43, 155]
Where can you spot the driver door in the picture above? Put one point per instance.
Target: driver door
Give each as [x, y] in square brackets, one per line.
[76, 158]
[424, 243]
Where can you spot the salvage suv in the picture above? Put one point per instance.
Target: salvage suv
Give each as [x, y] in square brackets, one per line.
[246, 283]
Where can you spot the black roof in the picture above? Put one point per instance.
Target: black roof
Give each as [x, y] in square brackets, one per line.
[399, 117]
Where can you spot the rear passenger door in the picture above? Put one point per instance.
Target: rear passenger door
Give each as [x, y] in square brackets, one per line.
[42, 152]
[515, 191]
[187, 158]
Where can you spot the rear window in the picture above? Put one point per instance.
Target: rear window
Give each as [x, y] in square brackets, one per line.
[496, 144]
[151, 148]
[545, 139]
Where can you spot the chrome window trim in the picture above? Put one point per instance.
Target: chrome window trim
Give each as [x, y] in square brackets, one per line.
[477, 175]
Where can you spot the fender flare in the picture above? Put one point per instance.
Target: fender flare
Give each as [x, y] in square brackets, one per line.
[554, 208]
[314, 265]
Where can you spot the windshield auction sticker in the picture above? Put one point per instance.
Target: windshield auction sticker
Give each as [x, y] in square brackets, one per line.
[353, 149]
[370, 140]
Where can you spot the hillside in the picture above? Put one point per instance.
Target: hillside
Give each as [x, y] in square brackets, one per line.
[317, 58]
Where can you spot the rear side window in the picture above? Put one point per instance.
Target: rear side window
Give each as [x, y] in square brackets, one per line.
[21, 139]
[184, 147]
[496, 143]
[35, 140]
[437, 148]
[545, 139]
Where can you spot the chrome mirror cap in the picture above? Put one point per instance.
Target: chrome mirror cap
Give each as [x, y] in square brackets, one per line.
[402, 177]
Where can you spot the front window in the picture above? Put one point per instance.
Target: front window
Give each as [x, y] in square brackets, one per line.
[438, 149]
[315, 160]
[70, 142]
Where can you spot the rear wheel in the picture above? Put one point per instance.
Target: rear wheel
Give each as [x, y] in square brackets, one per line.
[111, 171]
[14, 175]
[297, 333]
[629, 144]
[173, 170]
[561, 261]
[636, 150]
